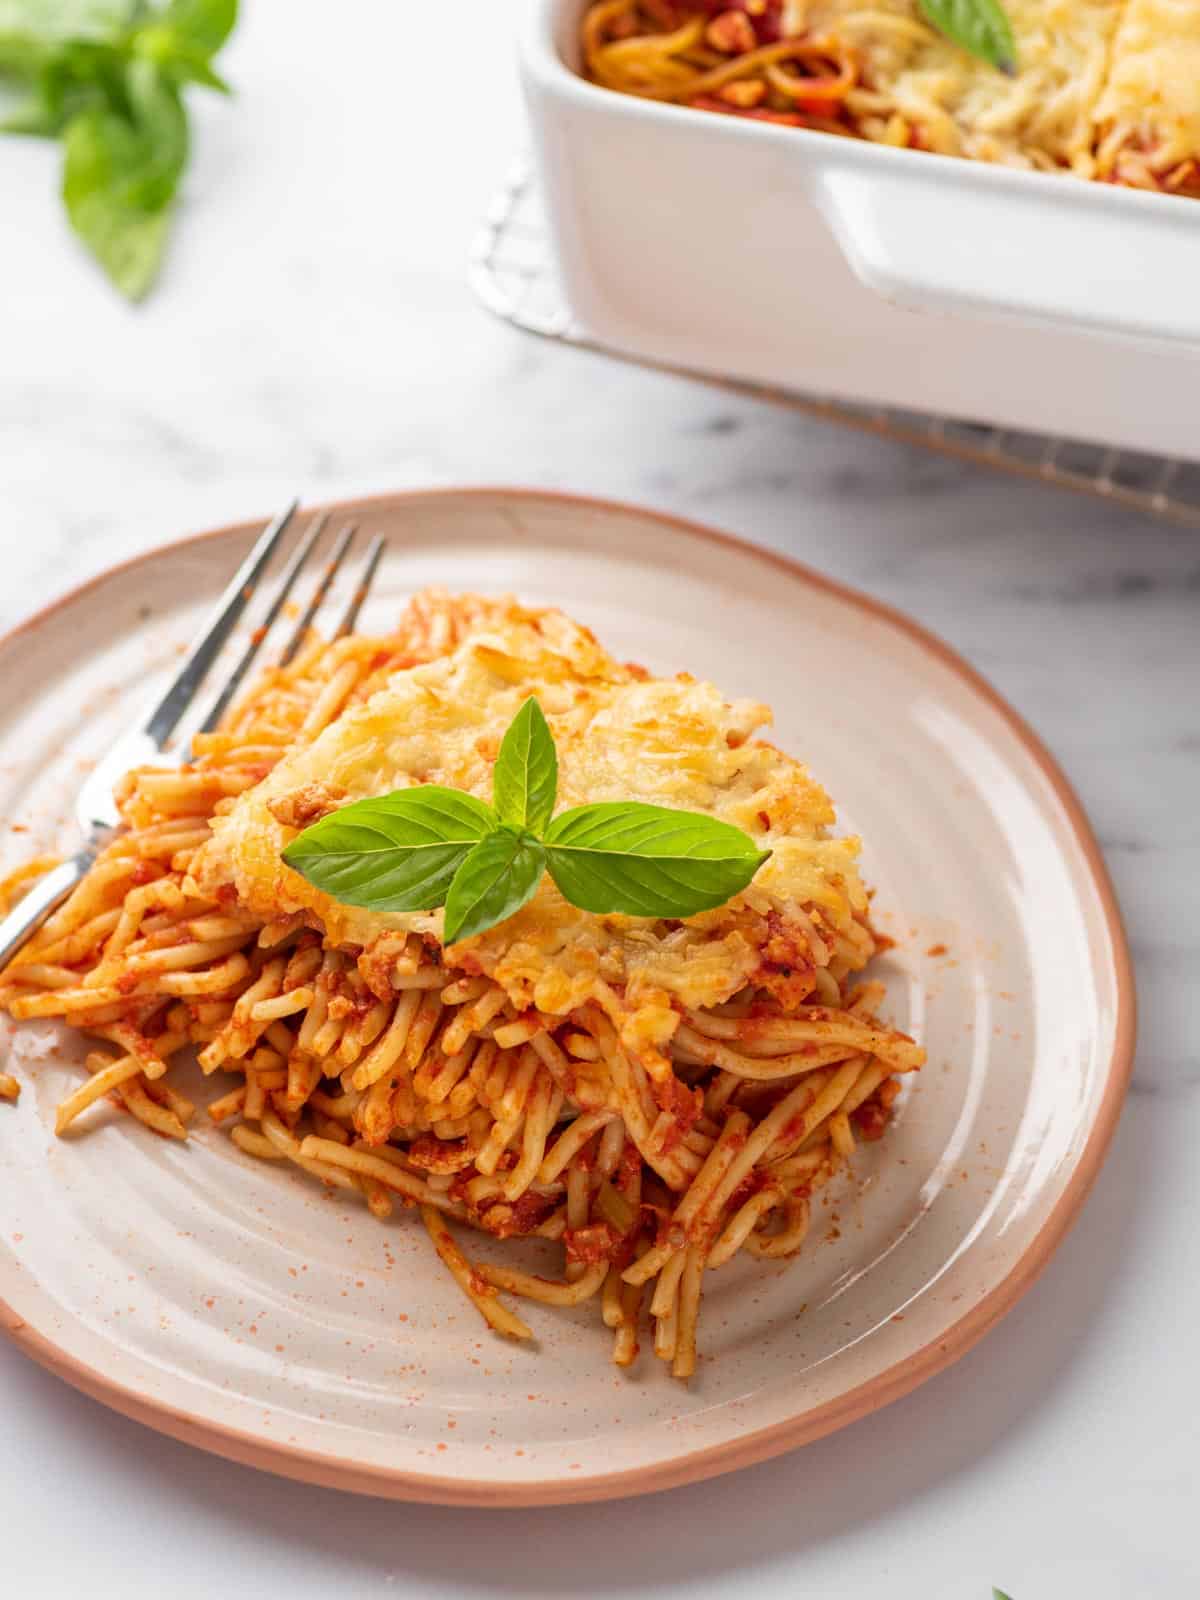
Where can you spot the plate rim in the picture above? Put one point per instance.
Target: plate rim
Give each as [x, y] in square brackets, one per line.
[902, 1377]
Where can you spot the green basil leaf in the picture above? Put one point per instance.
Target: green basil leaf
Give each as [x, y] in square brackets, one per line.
[34, 116]
[499, 876]
[176, 59]
[161, 123]
[648, 861]
[981, 27]
[116, 198]
[22, 55]
[185, 37]
[106, 75]
[45, 112]
[525, 781]
[121, 173]
[399, 852]
[62, 79]
[999, 1594]
[29, 29]
[192, 67]
[204, 24]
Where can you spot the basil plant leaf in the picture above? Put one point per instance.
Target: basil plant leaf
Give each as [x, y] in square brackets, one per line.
[981, 27]
[398, 852]
[500, 875]
[29, 29]
[176, 59]
[38, 115]
[106, 75]
[183, 39]
[65, 79]
[189, 66]
[121, 174]
[102, 174]
[161, 123]
[648, 861]
[204, 24]
[22, 55]
[525, 782]
[69, 77]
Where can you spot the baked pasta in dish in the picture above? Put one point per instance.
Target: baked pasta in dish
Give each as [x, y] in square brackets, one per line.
[1104, 89]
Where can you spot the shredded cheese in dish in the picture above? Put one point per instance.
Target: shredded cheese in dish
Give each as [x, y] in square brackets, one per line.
[1149, 110]
[1103, 89]
[1039, 116]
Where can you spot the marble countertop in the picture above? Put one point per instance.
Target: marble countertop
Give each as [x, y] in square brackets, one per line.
[314, 334]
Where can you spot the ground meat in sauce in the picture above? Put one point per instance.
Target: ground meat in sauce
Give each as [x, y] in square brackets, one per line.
[506, 1218]
[686, 1107]
[596, 1242]
[307, 804]
[870, 1120]
[439, 1155]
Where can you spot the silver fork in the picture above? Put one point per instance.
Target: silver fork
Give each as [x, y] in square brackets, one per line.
[149, 738]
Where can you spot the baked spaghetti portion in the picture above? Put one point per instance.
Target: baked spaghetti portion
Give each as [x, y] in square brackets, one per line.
[655, 1096]
[1103, 89]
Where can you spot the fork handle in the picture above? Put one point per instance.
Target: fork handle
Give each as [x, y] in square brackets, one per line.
[46, 896]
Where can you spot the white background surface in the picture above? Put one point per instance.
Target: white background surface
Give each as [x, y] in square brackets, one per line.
[314, 333]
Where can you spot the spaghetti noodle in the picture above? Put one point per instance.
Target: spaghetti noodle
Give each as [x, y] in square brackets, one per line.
[654, 1098]
[1105, 88]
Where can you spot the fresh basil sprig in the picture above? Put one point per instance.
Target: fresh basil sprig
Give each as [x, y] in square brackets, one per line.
[106, 77]
[419, 848]
[496, 879]
[525, 782]
[397, 853]
[981, 27]
[648, 861]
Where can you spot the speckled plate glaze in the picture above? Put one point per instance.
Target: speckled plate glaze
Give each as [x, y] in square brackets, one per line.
[237, 1306]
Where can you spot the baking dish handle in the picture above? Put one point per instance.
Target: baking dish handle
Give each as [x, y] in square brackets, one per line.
[1055, 252]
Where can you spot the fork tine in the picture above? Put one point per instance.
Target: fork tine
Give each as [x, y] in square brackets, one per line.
[366, 579]
[287, 582]
[161, 722]
[338, 554]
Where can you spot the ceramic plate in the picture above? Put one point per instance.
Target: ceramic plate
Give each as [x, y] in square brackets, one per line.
[237, 1306]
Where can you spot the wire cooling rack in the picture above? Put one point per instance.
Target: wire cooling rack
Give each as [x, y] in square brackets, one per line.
[514, 273]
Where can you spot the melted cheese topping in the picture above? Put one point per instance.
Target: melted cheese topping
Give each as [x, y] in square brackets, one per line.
[1103, 87]
[1041, 117]
[620, 735]
[1151, 99]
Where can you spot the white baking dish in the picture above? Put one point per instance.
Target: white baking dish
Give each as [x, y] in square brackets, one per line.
[838, 267]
